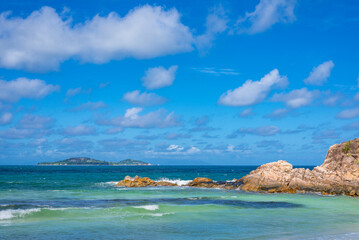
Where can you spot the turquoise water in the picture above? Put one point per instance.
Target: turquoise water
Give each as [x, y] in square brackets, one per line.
[44, 202]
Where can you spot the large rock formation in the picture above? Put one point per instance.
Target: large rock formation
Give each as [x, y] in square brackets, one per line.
[339, 174]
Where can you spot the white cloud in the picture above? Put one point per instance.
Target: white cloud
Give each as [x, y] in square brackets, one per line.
[174, 147]
[348, 113]
[278, 113]
[73, 92]
[230, 148]
[14, 133]
[79, 130]
[30, 121]
[320, 74]
[177, 149]
[216, 23]
[159, 77]
[253, 92]
[89, 106]
[132, 119]
[145, 32]
[5, 118]
[266, 14]
[296, 98]
[143, 99]
[193, 149]
[247, 112]
[13, 91]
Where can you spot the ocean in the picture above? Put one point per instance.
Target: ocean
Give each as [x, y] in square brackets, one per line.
[82, 202]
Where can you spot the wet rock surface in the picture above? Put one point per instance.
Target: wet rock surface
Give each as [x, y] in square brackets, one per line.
[339, 174]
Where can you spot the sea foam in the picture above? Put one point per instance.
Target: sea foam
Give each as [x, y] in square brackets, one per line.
[16, 213]
[179, 182]
[148, 207]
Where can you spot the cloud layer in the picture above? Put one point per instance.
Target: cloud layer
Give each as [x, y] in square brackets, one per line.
[145, 32]
[132, 119]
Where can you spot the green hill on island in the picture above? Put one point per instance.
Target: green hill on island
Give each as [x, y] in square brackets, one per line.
[85, 161]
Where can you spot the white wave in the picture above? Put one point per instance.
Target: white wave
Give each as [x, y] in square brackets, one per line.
[16, 213]
[111, 183]
[148, 207]
[159, 214]
[179, 181]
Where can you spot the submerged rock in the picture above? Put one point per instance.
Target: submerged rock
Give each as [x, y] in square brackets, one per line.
[339, 174]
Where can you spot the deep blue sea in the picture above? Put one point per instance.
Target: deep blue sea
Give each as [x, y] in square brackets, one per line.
[82, 202]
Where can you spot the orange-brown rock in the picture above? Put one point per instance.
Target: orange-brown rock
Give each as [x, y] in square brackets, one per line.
[201, 182]
[162, 183]
[201, 179]
[141, 182]
[339, 174]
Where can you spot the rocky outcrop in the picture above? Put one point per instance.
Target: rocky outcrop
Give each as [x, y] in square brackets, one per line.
[339, 174]
[199, 182]
[141, 182]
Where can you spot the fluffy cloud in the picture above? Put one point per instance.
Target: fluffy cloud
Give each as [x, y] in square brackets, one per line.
[79, 130]
[266, 14]
[296, 98]
[320, 74]
[260, 131]
[132, 119]
[216, 23]
[348, 113]
[30, 121]
[29, 126]
[252, 92]
[145, 32]
[14, 133]
[159, 77]
[143, 99]
[174, 149]
[5, 118]
[13, 91]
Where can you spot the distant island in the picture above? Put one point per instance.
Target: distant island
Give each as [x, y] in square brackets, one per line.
[85, 161]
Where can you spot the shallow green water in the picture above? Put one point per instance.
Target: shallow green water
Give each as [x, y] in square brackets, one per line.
[82, 203]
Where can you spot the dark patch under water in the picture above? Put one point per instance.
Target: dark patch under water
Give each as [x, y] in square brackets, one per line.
[104, 203]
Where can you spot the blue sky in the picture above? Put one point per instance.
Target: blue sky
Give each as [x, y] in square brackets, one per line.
[178, 82]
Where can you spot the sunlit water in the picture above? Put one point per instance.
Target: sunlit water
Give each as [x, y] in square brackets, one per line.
[44, 202]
